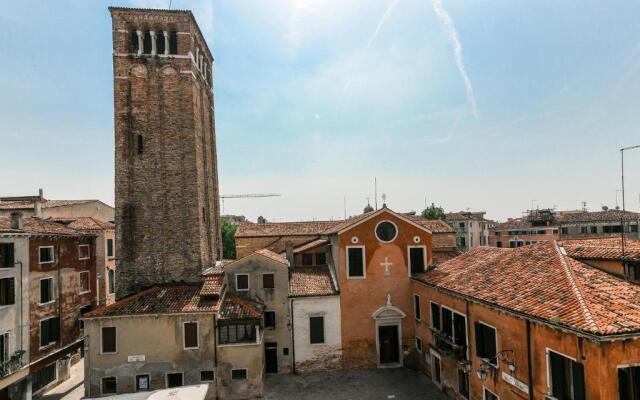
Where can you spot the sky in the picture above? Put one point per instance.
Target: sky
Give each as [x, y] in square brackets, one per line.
[495, 105]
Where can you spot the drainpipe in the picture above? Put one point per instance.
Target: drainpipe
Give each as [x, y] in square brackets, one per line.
[293, 341]
[21, 303]
[60, 319]
[529, 363]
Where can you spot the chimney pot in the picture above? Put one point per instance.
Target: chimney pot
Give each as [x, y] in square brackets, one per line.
[16, 220]
[289, 248]
[41, 194]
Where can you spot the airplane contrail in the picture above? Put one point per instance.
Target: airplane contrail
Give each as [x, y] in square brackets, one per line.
[387, 13]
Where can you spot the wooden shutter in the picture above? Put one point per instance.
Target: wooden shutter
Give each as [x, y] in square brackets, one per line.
[624, 383]
[55, 329]
[558, 376]
[44, 333]
[459, 330]
[109, 340]
[447, 323]
[11, 291]
[316, 330]
[577, 370]
[479, 339]
[190, 334]
[435, 316]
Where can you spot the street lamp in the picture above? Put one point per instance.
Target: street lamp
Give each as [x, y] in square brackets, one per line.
[622, 150]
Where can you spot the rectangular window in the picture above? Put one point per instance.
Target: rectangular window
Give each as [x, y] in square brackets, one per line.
[594, 229]
[49, 331]
[83, 311]
[45, 255]
[7, 255]
[7, 291]
[46, 291]
[307, 259]
[84, 282]
[489, 395]
[242, 282]
[270, 319]
[321, 259]
[43, 377]
[447, 322]
[498, 244]
[84, 252]
[110, 249]
[417, 259]
[143, 383]
[4, 348]
[583, 230]
[237, 333]
[109, 385]
[567, 377]
[355, 262]
[239, 374]
[174, 379]
[268, 281]
[108, 339]
[419, 345]
[190, 334]
[435, 316]
[416, 307]
[486, 343]
[206, 376]
[463, 383]
[316, 330]
[564, 231]
[111, 275]
[629, 383]
[634, 271]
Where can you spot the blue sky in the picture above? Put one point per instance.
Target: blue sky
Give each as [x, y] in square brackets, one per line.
[480, 104]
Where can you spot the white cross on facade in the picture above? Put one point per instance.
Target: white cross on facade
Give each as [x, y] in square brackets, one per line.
[386, 264]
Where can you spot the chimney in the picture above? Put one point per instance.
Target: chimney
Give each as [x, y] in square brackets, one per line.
[37, 204]
[41, 194]
[16, 220]
[289, 248]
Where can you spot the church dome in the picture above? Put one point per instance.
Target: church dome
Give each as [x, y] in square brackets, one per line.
[368, 208]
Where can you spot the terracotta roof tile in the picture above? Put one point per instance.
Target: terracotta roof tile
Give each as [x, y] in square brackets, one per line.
[310, 245]
[602, 248]
[540, 282]
[85, 223]
[237, 308]
[212, 285]
[434, 225]
[304, 228]
[311, 281]
[28, 204]
[441, 255]
[38, 226]
[273, 256]
[160, 299]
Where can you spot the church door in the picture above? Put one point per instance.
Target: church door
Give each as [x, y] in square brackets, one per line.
[389, 345]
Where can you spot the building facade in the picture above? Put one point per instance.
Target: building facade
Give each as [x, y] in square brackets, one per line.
[472, 229]
[39, 206]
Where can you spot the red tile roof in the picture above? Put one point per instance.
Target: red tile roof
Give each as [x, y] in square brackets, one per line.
[212, 285]
[86, 223]
[273, 256]
[539, 282]
[310, 245]
[38, 226]
[29, 204]
[160, 299]
[311, 281]
[444, 254]
[304, 228]
[602, 248]
[434, 225]
[235, 308]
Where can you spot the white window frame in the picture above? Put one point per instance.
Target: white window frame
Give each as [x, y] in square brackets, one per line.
[466, 326]
[101, 339]
[496, 365]
[184, 335]
[40, 347]
[239, 369]
[375, 231]
[415, 313]
[80, 252]
[88, 281]
[136, 382]
[7, 344]
[364, 262]
[484, 392]
[166, 378]
[424, 253]
[80, 319]
[548, 350]
[274, 280]
[419, 340]
[248, 281]
[53, 293]
[53, 255]
[432, 354]
[102, 386]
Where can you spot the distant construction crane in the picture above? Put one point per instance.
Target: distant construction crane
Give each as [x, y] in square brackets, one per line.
[245, 196]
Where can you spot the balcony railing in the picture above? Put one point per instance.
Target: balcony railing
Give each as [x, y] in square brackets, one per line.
[448, 347]
[13, 364]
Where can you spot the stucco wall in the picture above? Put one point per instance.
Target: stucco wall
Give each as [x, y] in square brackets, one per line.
[316, 357]
[236, 356]
[95, 209]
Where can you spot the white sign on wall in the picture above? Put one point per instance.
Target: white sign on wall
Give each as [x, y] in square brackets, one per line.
[135, 358]
[512, 380]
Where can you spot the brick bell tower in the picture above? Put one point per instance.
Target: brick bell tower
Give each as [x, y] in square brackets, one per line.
[166, 175]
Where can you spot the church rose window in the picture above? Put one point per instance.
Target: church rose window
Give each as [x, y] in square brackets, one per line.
[386, 231]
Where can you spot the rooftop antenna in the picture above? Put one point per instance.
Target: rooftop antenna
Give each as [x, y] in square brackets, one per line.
[584, 205]
[345, 208]
[169, 4]
[375, 191]
[384, 200]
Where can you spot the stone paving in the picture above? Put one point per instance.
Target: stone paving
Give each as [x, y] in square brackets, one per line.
[72, 388]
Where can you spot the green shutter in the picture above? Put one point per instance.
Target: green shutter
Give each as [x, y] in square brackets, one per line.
[578, 381]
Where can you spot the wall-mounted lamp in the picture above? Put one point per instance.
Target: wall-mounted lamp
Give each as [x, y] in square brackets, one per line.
[505, 356]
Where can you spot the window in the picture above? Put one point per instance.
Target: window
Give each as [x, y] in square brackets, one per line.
[634, 271]
[270, 319]
[498, 244]
[268, 281]
[45, 255]
[83, 311]
[84, 282]
[6, 255]
[140, 144]
[567, 377]
[447, 322]
[489, 395]
[112, 281]
[355, 262]
[629, 383]
[486, 343]
[190, 334]
[321, 259]
[49, 331]
[583, 230]
[46, 291]
[555, 231]
[237, 333]
[463, 383]
[461, 224]
[386, 231]
[307, 259]
[242, 282]
[110, 249]
[239, 374]
[7, 291]
[43, 377]
[174, 379]
[84, 252]
[285, 351]
[206, 376]
[316, 330]
[109, 385]
[419, 345]
[160, 42]
[4, 347]
[143, 383]
[463, 242]
[612, 229]
[108, 339]
[416, 307]
[173, 43]
[435, 316]
[417, 259]
[564, 231]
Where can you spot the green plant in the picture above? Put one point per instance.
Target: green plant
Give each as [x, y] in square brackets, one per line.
[228, 240]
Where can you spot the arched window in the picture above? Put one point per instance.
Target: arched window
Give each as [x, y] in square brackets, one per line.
[140, 144]
[133, 45]
[173, 42]
[160, 42]
[146, 42]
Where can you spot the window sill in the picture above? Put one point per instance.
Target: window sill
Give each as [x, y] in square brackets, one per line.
[487, 362]
[110, 258]
[45, 262]
[318, 344]
[356, 277]
[191, 348]
[84, 259]
[85, 292]
[102, 353]
[41, 348]
[46, 304]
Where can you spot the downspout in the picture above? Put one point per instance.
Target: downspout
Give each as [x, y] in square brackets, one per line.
[21, 304]
[293, 341]
[215, 346]
[60, 319]
[529, 362]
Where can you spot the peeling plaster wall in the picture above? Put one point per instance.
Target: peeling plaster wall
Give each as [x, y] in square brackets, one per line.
[249, 356]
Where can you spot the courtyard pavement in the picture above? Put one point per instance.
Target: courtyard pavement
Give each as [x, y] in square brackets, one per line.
[72, 388]
[396, 384]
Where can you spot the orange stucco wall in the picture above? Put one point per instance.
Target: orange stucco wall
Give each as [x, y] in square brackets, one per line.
[360, 298]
